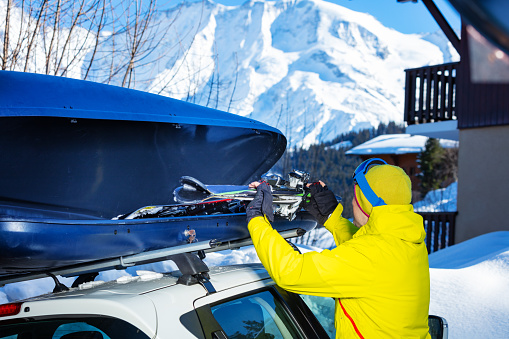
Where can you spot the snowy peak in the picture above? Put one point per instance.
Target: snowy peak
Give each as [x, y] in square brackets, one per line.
[313, 69]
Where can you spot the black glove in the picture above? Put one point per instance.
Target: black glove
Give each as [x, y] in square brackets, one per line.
[261, 204]
[321, 203]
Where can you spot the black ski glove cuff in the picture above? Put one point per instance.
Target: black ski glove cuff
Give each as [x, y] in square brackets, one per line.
[321, 204]
[261, 204]
[326, 202]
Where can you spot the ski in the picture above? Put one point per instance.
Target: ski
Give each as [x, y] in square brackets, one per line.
[48, 244]
[220, 206]
[195, 198]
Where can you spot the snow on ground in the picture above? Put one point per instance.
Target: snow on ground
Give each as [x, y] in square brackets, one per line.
[470, 286]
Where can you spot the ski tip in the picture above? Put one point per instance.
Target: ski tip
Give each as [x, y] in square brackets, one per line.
[190, 184]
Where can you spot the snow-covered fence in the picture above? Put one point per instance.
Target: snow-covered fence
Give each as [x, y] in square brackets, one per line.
[439, 227]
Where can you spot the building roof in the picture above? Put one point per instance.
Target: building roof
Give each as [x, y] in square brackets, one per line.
[396, 144]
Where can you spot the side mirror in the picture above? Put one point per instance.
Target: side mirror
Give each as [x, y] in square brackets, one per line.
[438, 328]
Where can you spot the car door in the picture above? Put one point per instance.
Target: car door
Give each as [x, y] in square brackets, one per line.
[257, 310]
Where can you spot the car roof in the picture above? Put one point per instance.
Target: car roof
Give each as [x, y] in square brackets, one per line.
[221, 277]
[141, 300]
[225, 277]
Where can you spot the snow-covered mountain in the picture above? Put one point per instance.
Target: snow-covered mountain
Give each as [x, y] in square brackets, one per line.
[311, 68]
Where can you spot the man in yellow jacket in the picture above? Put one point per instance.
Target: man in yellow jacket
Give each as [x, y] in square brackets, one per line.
[378, 273]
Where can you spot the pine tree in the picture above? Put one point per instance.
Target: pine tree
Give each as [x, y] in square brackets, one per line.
[430, 164]
[449, 167]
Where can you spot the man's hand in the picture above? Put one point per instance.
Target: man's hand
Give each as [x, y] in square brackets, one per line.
[322, 202]
[262, 202]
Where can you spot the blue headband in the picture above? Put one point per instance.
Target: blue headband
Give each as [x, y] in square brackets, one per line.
[359, 176]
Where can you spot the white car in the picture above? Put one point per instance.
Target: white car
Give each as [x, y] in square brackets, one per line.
[238, 301]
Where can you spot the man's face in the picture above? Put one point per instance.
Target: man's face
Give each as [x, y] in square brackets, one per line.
[359, 218]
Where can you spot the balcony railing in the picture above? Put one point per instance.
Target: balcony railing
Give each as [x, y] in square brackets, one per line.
[439, 227]
[430, 94]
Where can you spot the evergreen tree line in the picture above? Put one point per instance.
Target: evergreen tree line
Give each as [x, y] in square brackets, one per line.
[331, 164]
[438, 165]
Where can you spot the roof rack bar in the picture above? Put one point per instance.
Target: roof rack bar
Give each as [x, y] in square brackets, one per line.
[232, 245]
[163, 254]
[138, 259]
[108, 264]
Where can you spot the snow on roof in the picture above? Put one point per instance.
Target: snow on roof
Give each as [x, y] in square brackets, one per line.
[340, 145]
[397, 144]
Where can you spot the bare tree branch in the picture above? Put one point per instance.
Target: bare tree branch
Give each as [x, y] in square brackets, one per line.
[71, 29]
[77, 53]
[142, 22]
[6, 35]
[97, 37]
[186, 52]
[22, 37]
[217, 72]
[57, 36]
[54, 33]
[34, 34]
[235, 84]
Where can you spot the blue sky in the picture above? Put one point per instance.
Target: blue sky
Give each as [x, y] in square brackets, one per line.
[404, 17]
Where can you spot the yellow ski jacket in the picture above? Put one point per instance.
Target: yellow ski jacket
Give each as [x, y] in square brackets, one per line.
[378, 274]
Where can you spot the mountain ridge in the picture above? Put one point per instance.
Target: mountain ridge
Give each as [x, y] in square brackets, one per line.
[310, 68]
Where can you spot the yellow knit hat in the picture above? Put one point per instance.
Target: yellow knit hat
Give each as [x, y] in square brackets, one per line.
[390, 183]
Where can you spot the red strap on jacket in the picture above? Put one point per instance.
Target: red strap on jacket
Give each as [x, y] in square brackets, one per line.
[351, 320]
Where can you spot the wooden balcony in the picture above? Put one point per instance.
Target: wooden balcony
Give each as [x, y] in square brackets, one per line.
[430, 94]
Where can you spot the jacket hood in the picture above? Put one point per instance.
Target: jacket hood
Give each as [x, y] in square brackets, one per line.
[396, 220]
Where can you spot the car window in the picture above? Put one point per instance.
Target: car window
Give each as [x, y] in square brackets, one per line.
[323, 309]
[67, 331]
[258, 316]
[83, 328]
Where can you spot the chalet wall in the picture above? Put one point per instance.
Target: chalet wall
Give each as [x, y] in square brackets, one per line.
[483, 182]
[479, 104]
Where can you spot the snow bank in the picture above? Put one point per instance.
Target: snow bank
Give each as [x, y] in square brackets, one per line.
[470, 286]
[441, 200]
